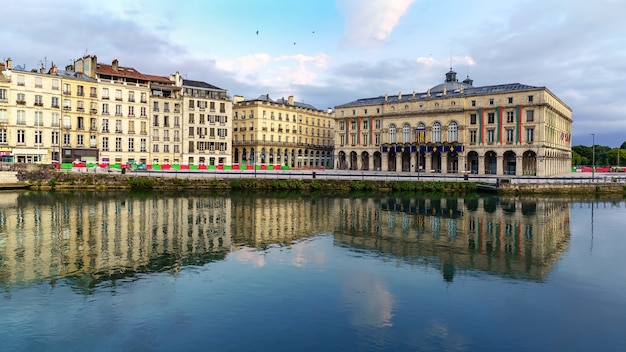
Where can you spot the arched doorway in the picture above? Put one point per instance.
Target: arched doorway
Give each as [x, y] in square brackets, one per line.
[529, 163]
[353, 161]
[365, 161]
[391, 161]
[491, 166]
[341, 162]
[377, 161]
[509, 163]
[406, 159]
[472, 162]
[435, 158]
[453, 163]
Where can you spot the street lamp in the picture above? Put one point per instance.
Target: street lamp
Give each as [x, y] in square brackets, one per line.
[593, 157]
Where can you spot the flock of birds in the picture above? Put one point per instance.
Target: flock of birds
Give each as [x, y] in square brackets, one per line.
[294, 43]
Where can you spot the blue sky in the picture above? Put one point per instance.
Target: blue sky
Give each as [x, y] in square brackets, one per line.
[328, 53]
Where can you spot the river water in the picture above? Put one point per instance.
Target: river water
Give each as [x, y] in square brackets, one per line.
[285, 272]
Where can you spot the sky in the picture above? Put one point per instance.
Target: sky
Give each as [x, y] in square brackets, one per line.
[327, 53]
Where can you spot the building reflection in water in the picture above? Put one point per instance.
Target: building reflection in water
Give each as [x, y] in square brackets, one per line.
[508, 237]
[100, 236]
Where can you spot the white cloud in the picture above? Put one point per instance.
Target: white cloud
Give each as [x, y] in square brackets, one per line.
[370, 22]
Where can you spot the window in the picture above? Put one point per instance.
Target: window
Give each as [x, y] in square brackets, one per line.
[105, 144]
[472, 119]
[377, 138]
[105, 93]
[92, 92]
[80, 140]
[131, 126]
[55, 119]
[530, 115]
[20, 80]
[377, 123]
[105, 109]
[118, 144]
[80, 91]
[510, 100]
[131, 111]
[105, 125]
[131, 96]
[38, 137]
[118, 94]
[21, 99]
[131, 144]
[118, 126]
[509, 135]
[453, 132]
[3, 116]
[473, 102]
[55, 138]
[142, 111]
[490, 136]
[55, 84]
[38, 100]
[38, 118]
[530, 98]
[491, 101]
[491, 117]
[406, 133]
[118, 110]
[21, 136]
[392, 133]
[67, 89]
[143, 145]
[66, 139]
[21, 117]
[436, 132]
[509, 116]
[3, 135]
[67, 122]
[472, 136]
[530, 134]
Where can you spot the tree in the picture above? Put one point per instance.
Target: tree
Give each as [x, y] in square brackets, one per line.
[623, 146]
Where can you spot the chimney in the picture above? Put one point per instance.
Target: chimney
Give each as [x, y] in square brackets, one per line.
[9, 64]
[53, 69]
[290, 100]
[115, 65]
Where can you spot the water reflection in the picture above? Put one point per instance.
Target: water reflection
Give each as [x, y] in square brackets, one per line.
[91, 237]
[504, 236]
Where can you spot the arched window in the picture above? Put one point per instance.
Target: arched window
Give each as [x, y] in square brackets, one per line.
[392, 133]
[421, 133]
[436, 132]
[406, 133]
[453, 132]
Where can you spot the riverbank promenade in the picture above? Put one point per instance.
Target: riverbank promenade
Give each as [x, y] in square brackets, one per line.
[10, 179]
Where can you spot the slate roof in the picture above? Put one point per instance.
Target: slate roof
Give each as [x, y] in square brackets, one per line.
[199, 84]
[265, 97]
[468, 91]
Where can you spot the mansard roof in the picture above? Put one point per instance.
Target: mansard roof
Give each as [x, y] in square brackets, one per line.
[200, 84]
[467, 91]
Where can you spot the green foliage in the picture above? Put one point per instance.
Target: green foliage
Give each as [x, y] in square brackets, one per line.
[137, 183]
[362, 186]
[52, 183]
[287, 184]
[243, 184]
[315, 185]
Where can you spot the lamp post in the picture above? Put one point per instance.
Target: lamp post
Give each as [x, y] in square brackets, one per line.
[593, 157]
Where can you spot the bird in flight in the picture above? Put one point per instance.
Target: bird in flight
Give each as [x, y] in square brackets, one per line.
[257, 32]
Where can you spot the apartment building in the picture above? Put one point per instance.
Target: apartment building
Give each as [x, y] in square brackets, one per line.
[281, 133]
[165, 119]
[123, 100]
[455, 127]
[207, 124]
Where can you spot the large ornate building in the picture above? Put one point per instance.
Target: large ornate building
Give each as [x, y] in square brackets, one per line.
[454, 127]
[281, 133]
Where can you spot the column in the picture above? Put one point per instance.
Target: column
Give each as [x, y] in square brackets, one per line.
[499, 168]
[481, 164]
[383, 161]
[462, 164]
[371, 162]
[444, 163]
[428, 162]
[398, 162]
[413, 162]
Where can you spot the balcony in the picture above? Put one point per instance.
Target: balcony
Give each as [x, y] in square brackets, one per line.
[38, 104]
[93, 111]
[80, 109]
[20, 102]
